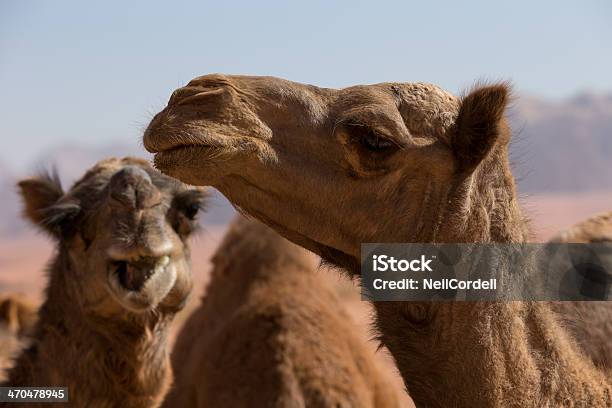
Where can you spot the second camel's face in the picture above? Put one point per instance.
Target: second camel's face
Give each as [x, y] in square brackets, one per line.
[125, 228]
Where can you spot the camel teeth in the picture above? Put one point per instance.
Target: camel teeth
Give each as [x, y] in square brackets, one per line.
[163, 261]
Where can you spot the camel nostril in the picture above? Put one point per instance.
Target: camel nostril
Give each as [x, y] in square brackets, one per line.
[209, 80]
[201, 96]
[132, 187]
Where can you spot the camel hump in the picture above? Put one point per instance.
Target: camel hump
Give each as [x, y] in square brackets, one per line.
[250, 242]
[592, 230]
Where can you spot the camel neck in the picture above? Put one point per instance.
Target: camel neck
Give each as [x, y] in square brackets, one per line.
[487, 353]
[481, 207]
[103, 361]
[492, 354]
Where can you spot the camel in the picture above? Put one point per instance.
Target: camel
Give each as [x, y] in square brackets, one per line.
[120, 274]
[17, 320]
[596, 229]
[330, 169]
[271, 328]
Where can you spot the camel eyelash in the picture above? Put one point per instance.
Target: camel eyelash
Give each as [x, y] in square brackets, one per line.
[370, 139]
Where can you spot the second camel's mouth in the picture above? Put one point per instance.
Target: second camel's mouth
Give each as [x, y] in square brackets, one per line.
[133, 275]
[141, 284]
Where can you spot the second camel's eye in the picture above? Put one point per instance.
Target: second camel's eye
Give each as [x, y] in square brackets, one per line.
[191, 211]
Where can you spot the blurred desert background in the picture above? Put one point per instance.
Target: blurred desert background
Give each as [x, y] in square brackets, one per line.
[80, 81]
[561, 155]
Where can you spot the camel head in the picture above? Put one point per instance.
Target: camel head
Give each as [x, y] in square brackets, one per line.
[122, 232]
[332, 168]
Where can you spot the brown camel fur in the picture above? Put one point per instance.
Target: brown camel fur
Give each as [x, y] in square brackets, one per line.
[120, 274]
[17, 320]
[330, 169]
[271, 328]
[596, 229]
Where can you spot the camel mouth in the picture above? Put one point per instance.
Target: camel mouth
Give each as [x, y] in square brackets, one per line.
[131, 275]
[141, 284]
[207, 163]
[177, 154]
[178, 162]
[166, 135]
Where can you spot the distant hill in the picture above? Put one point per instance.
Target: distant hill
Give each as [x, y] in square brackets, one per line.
[558, 147]
[563, 146]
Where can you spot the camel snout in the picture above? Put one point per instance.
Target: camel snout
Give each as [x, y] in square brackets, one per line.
[148, 248]
[132, 188]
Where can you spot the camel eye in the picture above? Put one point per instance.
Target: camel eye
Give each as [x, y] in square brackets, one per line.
[183, 213]
[370, 139]
[191, 211]
[375, 143]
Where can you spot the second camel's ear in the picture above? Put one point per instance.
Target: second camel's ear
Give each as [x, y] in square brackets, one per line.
[478, 126]
[41, 204]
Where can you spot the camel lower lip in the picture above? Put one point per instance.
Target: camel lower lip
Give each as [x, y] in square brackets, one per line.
[183, 148]
[177, 155]
[158, 284]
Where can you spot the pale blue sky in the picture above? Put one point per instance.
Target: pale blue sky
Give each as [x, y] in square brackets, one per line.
[93, 72]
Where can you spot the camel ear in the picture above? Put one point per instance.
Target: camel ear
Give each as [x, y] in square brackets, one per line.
[41, 198]
[479, 124]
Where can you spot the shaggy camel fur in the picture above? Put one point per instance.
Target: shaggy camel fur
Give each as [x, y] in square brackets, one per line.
[273, 330]
[17, 320]
[330, 169]
[120, 274]
[597, 229]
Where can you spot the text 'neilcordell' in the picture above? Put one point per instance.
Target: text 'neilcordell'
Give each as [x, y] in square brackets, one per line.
[386, 263]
